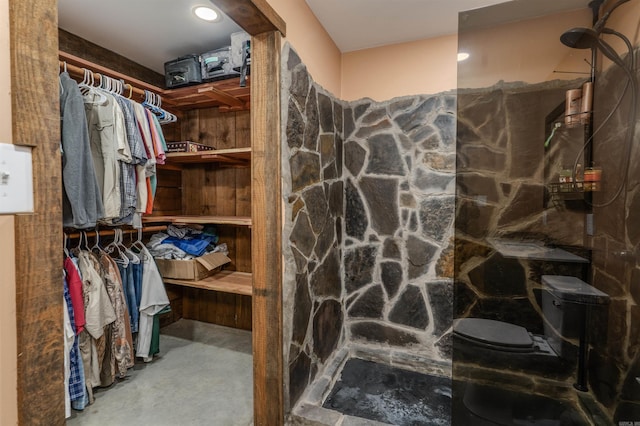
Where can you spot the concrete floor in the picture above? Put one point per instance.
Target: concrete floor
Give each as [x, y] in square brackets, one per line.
[202, 376]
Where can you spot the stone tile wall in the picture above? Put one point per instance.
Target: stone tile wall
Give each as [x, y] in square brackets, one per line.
[368, 228]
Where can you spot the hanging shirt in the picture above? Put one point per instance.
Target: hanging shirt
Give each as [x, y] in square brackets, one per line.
[154, 299]
[75, 293]
[106, 150]
[82, 198]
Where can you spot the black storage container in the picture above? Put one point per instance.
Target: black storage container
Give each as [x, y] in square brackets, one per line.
[216, 65]
[183, 71]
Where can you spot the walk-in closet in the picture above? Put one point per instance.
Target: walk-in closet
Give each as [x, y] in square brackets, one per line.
[203, 346]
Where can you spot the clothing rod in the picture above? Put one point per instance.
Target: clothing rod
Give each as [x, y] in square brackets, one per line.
[109, 232]
[76, 66]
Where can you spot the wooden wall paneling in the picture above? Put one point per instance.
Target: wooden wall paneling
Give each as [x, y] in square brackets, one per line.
[71, 43]
[243, 208]
[266, 236]
[243, 312]
[243, 129]
[168, 199]
[36, 122]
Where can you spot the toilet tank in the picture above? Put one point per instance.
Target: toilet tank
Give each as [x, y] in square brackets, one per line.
[564, 306]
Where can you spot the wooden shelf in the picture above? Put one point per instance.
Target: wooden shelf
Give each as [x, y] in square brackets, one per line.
[230, 157]
[225, 281]
[225, 94]
[203, 220]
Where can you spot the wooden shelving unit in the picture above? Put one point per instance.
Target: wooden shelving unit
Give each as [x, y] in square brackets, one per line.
[240, 157]
[202, 220]
[226, 282]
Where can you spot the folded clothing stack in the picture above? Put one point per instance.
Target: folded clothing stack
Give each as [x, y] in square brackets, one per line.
[185, 242]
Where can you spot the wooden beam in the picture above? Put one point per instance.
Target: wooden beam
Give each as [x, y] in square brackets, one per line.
[266, 246]
[253, 16]
[36, 122]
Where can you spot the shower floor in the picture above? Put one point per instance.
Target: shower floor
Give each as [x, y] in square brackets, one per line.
[391, 395]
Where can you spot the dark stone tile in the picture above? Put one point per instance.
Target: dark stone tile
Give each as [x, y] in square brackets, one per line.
[380, 333]
[446, 123]
[339, 229]
[388, 394]
[441, 302]
[473, 219]
[354, 156]
[408, 160]
[305, 169]
[356, 216]
[413, 222]
[604, 378]
[499, 276]
[436, 217]
[426, 137]
[301, 261]
[300, 85]
[526, 203]
[365, 132]
[293, 60]
[481, 158]
[330, 172]
[338, 115]
[359, 110]
[391, 249]
[295, 126]
[420, 253]
[474, 185]
[416, 118]
[410, 309]
[295, 209]
[404, 186]
[391, 276]
[301, 309]
[401, 105]
[358, 267]
[317, 207]
[634, 285]
[482, 111]
[299, 371]
[406, 143]
[466, 250]
[440, 162]
[374, 115]
[312, 128]
[302, 236]
[339, 154]
[326, 239]
[326, 281]
[349, 123]
[633, 226]
[369, 305]
[631, 388]
[381, 196]
[327, 325]
[336, 192]
[327, 148]
[325, 109]
[432, 181]
[463, 298]
[384, 157]
[445, 346]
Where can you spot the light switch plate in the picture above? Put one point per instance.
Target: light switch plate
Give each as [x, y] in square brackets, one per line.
[16, 179]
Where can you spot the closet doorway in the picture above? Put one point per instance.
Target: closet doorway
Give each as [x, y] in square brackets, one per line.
[35, 90]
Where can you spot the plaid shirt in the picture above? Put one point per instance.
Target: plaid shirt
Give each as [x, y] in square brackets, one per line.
[76, 378]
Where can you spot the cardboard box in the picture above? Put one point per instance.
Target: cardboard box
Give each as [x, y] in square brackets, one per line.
[193, 269]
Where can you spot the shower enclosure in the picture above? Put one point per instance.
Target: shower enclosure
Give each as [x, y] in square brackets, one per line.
[547, 190]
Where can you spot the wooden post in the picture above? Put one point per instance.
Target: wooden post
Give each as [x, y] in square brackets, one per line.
[36, 122]
[267, 230]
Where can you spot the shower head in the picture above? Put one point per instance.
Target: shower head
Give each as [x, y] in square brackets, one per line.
[580, 38]
[587, 38]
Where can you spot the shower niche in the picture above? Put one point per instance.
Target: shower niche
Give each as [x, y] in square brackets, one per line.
[570, 175]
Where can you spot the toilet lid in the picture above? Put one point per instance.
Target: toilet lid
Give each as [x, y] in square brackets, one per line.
[493, 332]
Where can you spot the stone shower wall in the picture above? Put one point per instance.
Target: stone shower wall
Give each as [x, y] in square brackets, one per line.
[399, 186]
[615, 365]
[367, 239]
[313, 191]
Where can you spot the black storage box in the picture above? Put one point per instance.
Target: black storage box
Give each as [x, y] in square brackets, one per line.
[183, 71]
[216, 65]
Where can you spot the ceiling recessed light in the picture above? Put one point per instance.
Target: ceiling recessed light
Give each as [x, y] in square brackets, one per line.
[463, 56]
[206, 13]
